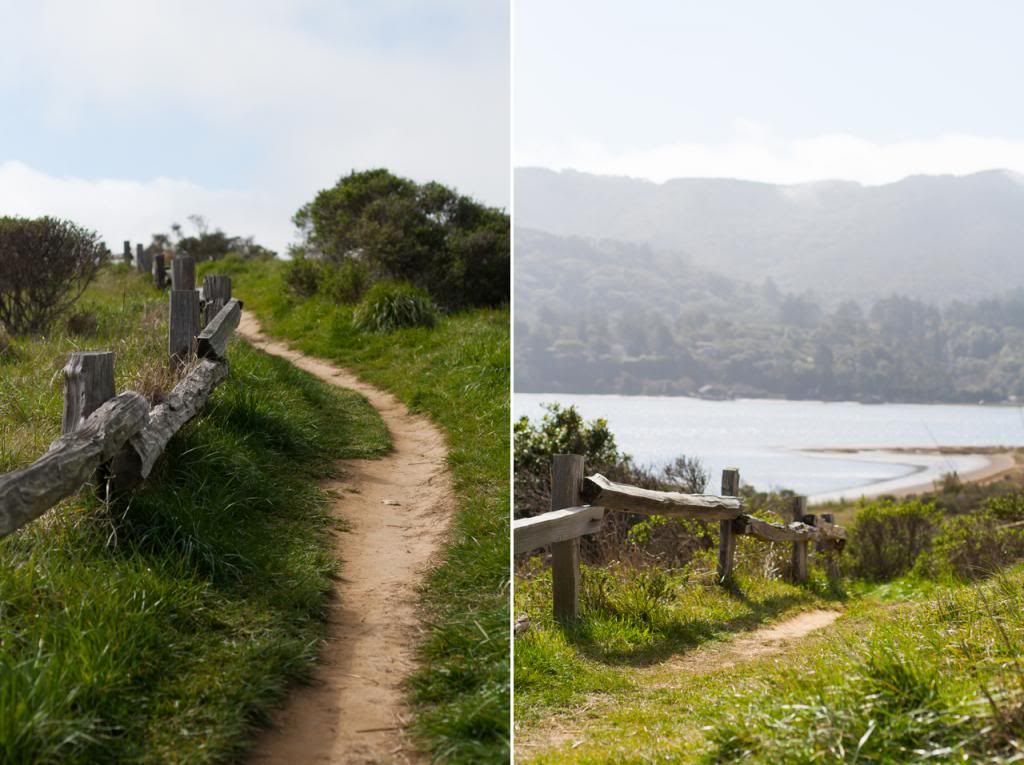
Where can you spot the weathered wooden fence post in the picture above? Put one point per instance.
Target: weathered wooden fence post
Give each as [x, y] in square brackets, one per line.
[798, 571]
[726, 532]
[216, 294]
[127, 251]
[159, 271]
[566, 480]
[88, 384]
[184, 320]
[139, 250]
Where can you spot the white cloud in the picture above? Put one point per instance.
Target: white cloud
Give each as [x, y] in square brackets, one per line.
[134, 210]
[755, 154]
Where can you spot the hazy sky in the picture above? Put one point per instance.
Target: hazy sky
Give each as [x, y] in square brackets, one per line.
[780, 91]
[127, 115]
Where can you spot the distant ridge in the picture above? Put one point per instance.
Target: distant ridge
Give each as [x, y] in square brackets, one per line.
[937, 238]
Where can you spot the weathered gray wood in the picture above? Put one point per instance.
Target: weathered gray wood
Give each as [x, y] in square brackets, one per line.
[183, 272]
[159, 271]
[145, 260]
[72, 461]
[557, 526]
[135, 461]
[828, 546]
[88, 384]
[213, 340]
[774, 532]
[566, 477]
[183, 326]
[798, 570]
[726, 533]
[139, 250]
[127, 251]
[216, 293]
[598, 490]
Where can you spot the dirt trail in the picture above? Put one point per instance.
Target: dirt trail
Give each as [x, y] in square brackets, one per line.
[397, 509]
[674, 673]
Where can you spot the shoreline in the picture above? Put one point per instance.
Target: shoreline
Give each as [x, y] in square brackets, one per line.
[926, 466]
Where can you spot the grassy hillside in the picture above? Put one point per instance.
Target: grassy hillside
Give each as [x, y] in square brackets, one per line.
[159, 632]
[457, 374]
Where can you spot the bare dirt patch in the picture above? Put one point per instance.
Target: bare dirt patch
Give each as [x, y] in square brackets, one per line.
[397, 510]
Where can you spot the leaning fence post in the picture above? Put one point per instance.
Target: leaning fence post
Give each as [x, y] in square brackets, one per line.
[798, 572]
[566, 480]
[216, 294]
[726, 533]
[88, 384]
[159, 271]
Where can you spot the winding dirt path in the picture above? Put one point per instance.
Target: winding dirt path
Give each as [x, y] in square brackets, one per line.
[397, 510]
[675, 672]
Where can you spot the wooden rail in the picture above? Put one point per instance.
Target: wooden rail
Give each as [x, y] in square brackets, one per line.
[579, 506]
[115, 440]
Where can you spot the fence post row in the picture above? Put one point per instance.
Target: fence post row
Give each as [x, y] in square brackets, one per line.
[727, 528]
[566, 481]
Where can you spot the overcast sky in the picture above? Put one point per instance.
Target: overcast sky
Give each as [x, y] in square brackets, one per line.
[781, 91]
[128, 115]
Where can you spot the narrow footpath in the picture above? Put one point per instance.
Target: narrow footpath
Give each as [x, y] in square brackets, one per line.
[397, 511]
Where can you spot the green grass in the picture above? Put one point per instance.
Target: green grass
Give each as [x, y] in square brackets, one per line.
[457, 373]
[161, 631]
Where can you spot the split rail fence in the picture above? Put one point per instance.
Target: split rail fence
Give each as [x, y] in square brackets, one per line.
[113, 439]
[579, 505]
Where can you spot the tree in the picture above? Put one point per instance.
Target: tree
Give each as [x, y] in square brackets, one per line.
[45, 265]
[425, 234]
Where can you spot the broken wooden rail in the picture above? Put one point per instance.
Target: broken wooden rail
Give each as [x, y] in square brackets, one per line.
[579, 506]
[115, 440]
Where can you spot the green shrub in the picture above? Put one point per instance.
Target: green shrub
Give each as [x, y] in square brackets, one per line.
[347, 282]
[394, 305]
[972, 547]
[886, 538]
[302, 276]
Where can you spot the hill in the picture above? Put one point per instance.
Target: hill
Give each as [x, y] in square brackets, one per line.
[935, 238]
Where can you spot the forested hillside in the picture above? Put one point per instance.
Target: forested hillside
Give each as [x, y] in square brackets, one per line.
[611, 317]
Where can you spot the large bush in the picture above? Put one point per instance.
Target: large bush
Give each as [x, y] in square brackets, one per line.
[45, 265]
[394, 305]
[425, 234]
[887, 537]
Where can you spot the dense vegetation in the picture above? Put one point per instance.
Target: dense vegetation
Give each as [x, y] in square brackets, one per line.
[45, 265]
[920, 668]
[457, 373]
[205, 243]
[608, 317]
[161, 631]
[373, 225]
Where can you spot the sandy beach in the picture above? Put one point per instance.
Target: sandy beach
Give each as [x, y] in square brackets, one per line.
[924, 468]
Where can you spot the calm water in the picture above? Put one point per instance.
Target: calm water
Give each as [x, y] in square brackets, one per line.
[766, 439]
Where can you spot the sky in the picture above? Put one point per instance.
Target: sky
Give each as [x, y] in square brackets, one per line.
[129, 115]
[785, 91]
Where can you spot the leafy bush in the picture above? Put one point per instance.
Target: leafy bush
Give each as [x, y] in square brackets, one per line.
[45, 265]
[972, 547]
[886, 538]
[394, 305]
[82, 323]
[346, 282]
[563, 431]
[302, 276]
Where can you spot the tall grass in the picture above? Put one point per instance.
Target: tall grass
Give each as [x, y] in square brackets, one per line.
[162, 630]
[456, 373]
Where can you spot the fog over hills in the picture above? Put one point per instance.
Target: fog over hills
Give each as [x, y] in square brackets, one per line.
[935, 238]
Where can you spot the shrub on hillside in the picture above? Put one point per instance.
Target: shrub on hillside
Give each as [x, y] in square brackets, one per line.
[346, 282]
[394, 305]
[302, 276]
[886, 537]
[45, 265]
[972, 547]
[82, 324]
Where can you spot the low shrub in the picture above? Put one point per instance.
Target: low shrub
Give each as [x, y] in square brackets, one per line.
[302, 276]
[82, 324]
[970, 547]
[886, 537]
[394, 305]
[347, 282]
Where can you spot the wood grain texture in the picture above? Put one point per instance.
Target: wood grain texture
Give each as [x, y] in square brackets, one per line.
[726, 532]
[71, 462]
[88, 384]
[182, 326]
[798, 567]
[213, 340]
[183, 273]
[216, 294]
[566, 478]
[598, 490]
[557, 526]
[135, 461]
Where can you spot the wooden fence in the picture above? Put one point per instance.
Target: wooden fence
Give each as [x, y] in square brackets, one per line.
[579, 504]
[115, 440]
